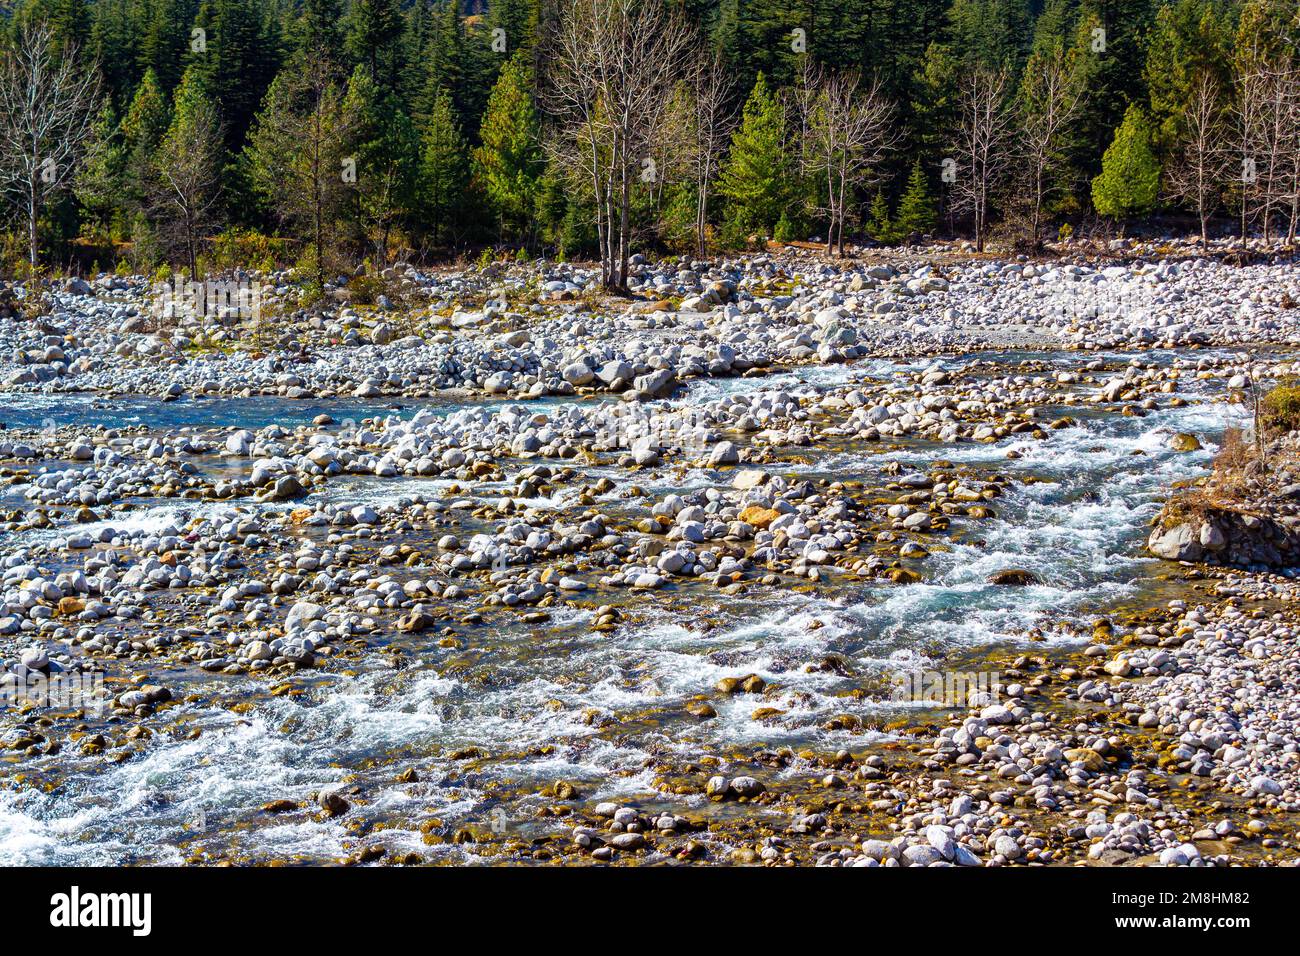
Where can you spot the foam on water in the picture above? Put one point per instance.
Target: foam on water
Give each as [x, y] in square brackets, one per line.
[176, 514]
[1081, 531]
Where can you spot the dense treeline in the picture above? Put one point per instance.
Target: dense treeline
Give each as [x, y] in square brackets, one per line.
[325, 132]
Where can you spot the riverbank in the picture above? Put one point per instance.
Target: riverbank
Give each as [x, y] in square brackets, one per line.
[645, 585]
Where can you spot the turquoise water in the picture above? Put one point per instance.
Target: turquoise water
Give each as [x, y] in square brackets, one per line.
[517, 688]
[38, 411]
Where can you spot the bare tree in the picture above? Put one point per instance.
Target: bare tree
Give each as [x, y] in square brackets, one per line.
[186, 180]
[715, 116]
[613, 63]
[1201, 163]
[799, 100]
[1291, 147]
[1266, 108]
[671, 153]
[984, 138]
[1247, 110]
[1049, 102]
[48, 103]
[850, 134]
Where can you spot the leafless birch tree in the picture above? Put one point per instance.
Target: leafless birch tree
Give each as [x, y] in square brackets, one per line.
[186, 180]
[48, 102]
[1201, 164]
[1049, 101]
[984, 139]
[1267, 104]
[714, 119]
[850, 133]
[1291, 147]
[614, 64]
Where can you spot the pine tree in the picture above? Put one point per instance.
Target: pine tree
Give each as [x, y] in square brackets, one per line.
[509, 161]
[992, 33]
[756, 176]
[185, 176]
[416, 34]
[240, 62]
[166, 41]
[765, 41]
[296, 158]
[385, 148]
[143, 128]
[517, 19]
[1054, 26]
[916, 215]
[99, 187]
[443, 170]
[1129, 182]
[1190, 39]
[374, 29]
[111, 46]
[935, 104]
[879, 227]
[1112, 61]
[317, 31]
[69, 22]
[444, 63]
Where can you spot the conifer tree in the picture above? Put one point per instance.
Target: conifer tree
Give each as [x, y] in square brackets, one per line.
[1129, 181]
[509, 161]
[444, 63]
[374, 29]
[916, 215]
[185, 178]
[935, 108]
[297, 160]
[166, 41]
[238, 65]
[879, 227]
[517, 19]
[99, 187]
[443, 170]
[69, 22]
[143, 128]
[385, 149]
[1191, 39]
[111, 45]
[1109, 43]
[318, 30]
[992, 33]
[756, 176]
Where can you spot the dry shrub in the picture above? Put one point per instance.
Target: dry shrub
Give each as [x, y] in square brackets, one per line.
[1235, 451]
[1228, 475]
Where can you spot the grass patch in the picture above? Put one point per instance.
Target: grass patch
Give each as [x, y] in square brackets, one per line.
[1280, 408]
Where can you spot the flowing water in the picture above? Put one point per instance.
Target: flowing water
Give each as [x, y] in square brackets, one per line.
[524, 694]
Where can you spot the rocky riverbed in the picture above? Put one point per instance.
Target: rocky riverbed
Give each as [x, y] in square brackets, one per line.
[781, 562]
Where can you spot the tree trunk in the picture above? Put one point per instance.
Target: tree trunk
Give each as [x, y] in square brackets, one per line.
[701, 219]
[1038, 208]
[625, 204]
[839, 239]
[190, 244]
[33, 210]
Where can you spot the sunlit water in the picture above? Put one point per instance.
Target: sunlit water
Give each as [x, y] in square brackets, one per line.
[527, 687]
